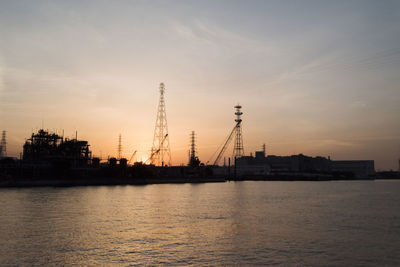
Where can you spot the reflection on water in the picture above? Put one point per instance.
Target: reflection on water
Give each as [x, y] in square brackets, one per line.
[242, 223]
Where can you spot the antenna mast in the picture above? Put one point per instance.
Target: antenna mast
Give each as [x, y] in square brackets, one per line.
[238, 149]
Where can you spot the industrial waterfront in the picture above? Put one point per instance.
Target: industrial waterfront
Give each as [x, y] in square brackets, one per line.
[50, 159]
[200, 133]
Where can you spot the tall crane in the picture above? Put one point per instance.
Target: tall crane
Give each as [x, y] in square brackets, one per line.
[238, 150]
[155, 152]
[226, 144]
[132, 157]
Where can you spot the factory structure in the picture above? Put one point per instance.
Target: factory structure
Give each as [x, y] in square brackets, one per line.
[261, 165]
[50, 148]
[44, 151]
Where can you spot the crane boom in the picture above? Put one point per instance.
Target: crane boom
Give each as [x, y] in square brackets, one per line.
[156, 151]
[226, 143]
[133, 155]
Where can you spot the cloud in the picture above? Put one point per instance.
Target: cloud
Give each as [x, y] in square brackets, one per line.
[205, 32]
[359, 104]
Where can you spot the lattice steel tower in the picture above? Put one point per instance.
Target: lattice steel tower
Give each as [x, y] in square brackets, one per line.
[192, 154]
[193, 158]
[119, 146]
[3, 145]
[160, 151]
[238, 149]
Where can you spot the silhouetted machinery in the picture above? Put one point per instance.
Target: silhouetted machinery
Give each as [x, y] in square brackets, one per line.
[226, 143]
[132, 157]
[155, 152]
[238, 150]
[50, 147]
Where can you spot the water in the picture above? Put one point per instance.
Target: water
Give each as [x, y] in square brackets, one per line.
[244, 223]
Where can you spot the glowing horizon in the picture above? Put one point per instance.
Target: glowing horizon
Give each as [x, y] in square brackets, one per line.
[313, 78]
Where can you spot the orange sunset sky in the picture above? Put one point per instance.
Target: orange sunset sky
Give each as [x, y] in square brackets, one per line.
[313, 77]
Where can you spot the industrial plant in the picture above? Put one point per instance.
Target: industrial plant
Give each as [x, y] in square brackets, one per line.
[51, 159]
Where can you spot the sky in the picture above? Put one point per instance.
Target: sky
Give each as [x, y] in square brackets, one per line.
[313, 77]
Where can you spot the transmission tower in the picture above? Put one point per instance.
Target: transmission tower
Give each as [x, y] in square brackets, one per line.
[3, 145]
[238, 149]
[160, 151]
[119, 146]
[192, 145]
[193, 159]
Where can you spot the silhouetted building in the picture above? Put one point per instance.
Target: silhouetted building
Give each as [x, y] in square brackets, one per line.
[96, 162]
[253, 166]
[49, 147]
[298, 163]
[112, 162]
[360, 168]
[302, 163]
[123, 162]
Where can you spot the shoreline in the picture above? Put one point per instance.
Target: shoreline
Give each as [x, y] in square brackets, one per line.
[149, 181]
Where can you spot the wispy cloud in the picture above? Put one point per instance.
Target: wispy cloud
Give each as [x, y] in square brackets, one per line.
[205, 32]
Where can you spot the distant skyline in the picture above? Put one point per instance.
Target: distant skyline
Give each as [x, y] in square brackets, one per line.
[313, 77]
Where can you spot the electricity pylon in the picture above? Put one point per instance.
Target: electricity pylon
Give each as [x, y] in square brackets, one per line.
[161, 138]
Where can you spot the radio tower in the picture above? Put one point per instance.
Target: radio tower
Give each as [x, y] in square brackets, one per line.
[160, 151]
[238, 149]
[3, 145]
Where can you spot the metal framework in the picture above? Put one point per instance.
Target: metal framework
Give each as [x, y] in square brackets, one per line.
[193, 158]
[119, 146]
[238, 150]
[226, 143]
[132, 157]
[45, 146]
[3, 145]
[192, 154]
[160, 151]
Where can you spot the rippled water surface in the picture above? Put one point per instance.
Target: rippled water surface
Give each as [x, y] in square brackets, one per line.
[242, 223]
